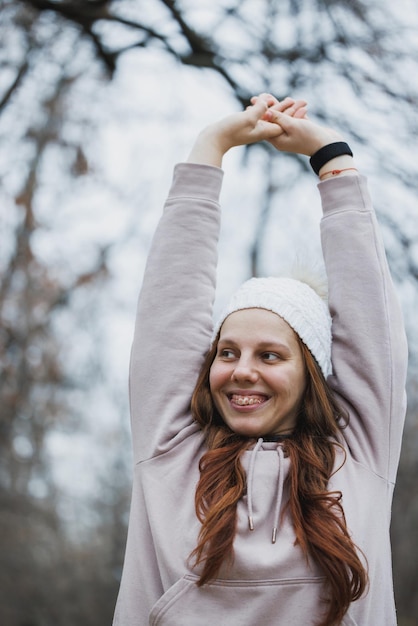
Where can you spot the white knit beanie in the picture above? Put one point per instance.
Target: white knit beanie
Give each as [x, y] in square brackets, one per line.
[297, 303]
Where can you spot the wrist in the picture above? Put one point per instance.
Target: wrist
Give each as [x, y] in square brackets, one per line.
[343, 165]
[328, 153]
[208, 148]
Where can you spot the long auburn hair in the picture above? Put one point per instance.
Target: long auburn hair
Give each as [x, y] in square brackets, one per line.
[317, 514]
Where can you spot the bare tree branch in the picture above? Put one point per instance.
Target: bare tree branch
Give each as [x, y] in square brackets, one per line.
[14, 85]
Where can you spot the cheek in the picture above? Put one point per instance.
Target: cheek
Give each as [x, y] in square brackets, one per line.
[213, 377]
[215, 384]
[217, 377]
[294, 381]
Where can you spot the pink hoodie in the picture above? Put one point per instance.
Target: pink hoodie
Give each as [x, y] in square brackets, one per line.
[268, 584]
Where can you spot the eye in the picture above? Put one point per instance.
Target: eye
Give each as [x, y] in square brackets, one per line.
[226, 353]
[270, 356]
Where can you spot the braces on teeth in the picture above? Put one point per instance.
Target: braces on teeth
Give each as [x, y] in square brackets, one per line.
[245, 401]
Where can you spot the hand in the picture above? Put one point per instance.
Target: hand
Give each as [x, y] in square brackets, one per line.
[246, 127]
[302, 136]
[299, 134]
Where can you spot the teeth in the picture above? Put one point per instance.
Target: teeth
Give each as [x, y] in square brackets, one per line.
[246, 400]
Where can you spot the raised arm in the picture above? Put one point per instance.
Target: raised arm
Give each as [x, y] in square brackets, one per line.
[369, 348]
[174, 319]
[369, 352]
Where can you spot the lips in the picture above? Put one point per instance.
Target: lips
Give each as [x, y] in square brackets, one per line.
[247, 399]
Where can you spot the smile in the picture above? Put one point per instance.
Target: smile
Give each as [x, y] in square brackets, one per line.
[246, 400]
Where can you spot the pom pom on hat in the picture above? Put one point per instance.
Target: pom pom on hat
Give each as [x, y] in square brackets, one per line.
[297, 303]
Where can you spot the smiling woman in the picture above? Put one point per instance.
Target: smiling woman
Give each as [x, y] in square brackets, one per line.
[265, 453]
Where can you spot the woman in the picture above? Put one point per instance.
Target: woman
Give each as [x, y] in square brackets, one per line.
[263, 485]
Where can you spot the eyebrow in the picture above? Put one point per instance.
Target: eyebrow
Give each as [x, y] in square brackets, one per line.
[263, 345]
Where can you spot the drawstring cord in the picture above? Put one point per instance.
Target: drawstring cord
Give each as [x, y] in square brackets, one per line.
[280, 483]
[250, 484]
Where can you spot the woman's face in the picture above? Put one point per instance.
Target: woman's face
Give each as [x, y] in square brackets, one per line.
[257, 378]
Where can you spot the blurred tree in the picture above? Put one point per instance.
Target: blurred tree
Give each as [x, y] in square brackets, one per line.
[357, 51]
[352, 60]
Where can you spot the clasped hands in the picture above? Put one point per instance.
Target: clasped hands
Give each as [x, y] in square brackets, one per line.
[282, 123]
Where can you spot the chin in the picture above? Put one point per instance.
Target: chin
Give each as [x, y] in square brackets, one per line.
[249, 432]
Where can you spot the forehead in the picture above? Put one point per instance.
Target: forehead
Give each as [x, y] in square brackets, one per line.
[258, 325]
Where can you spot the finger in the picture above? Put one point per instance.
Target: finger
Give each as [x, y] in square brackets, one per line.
[284, 105]
[301, 113]
[272, 102]
[268, 98]
[258, 108]
[262, 97]
[300, 103]
[256, 102]
[300, 108]
[278, 117]
[297, 109]
[254, 99]
[269, 130]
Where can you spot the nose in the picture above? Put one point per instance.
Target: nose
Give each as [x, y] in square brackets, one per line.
[245, 370]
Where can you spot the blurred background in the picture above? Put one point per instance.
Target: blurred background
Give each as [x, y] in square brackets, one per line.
[98, 100]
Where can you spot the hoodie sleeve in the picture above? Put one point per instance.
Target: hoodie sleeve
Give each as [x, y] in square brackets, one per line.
[369, 353]
[174, 316]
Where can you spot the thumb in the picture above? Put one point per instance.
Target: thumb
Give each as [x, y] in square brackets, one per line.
[259, 108]
[283, 120]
